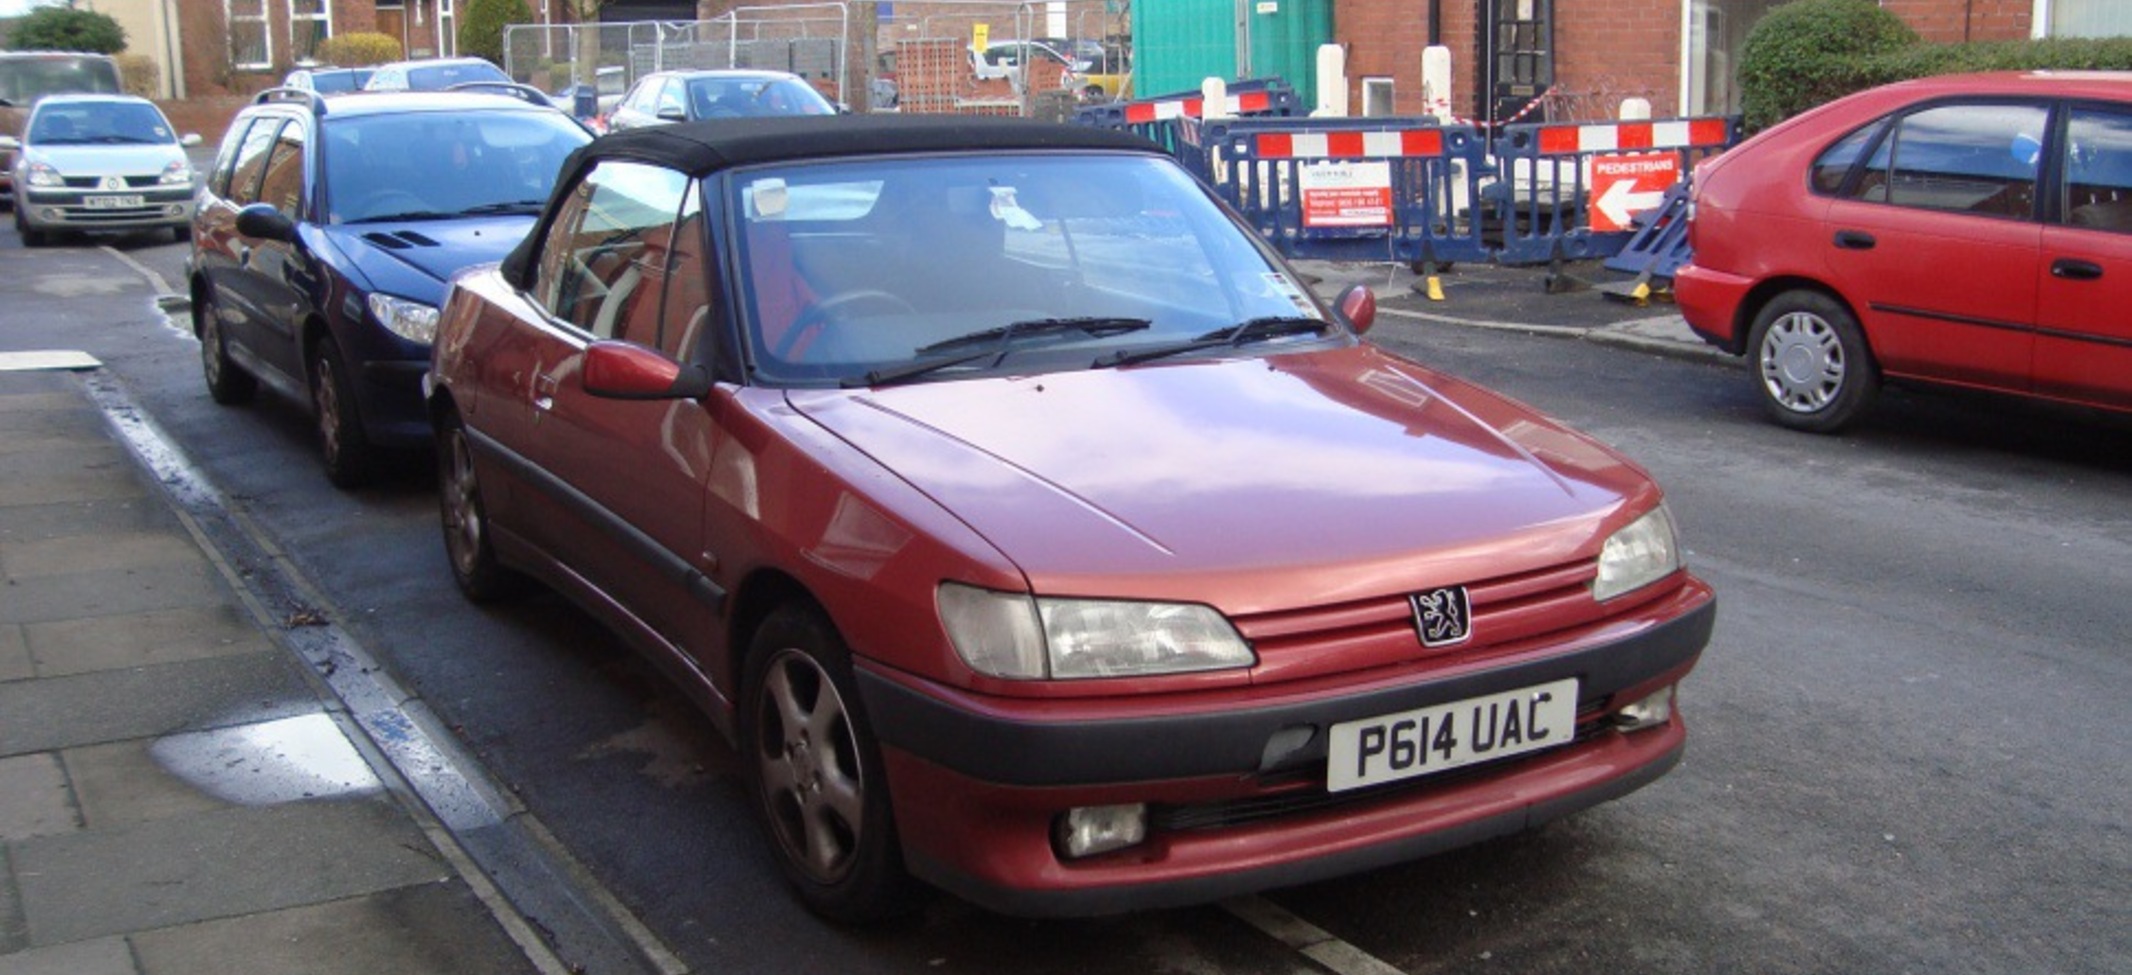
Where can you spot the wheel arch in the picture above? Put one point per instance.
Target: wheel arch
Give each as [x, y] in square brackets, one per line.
[1764, 292]
[757, 596]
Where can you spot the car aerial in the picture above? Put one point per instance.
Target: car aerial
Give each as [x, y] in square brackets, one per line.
[101, 163]
[1032, 529]
[328, 80]
[432, 74]
[26, 76]
[1964, 230]
[664, 97]
[326, 233]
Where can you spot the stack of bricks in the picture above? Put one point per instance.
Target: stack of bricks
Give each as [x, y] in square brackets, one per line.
[934, 75]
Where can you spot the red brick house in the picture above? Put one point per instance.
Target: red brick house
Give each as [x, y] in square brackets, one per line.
[1678, 54]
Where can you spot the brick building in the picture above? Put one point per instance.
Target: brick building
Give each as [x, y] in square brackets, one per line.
[1678, 54]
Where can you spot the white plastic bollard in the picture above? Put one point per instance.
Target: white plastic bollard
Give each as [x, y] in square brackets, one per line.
[1436, 82]
[1635, 109]
[1213, 99]
[1332, 82]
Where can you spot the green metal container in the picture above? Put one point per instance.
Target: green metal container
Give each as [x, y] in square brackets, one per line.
[1179, 43]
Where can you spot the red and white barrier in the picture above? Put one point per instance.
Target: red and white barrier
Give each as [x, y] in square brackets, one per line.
[1564, 140]
[1238, 104]
[1349, 145]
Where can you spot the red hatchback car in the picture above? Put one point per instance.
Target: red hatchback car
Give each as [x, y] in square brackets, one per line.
[1031, 528]
[1968, 230]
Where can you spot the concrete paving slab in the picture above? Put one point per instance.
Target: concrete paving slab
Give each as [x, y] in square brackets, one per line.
[103, 956]
[34, 798]
[81, 473]
[120, 785]
[111, 592]
[434, 929]
[72, 518]
[91, 709]
[217, 865]
[14, 654]
[98, 553]
[69, 647]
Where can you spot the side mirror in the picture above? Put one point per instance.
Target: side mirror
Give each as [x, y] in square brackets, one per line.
[623, 370]
[189, 139]
[1358, 305]
[672, 114]
[8, 142]
[261, 221]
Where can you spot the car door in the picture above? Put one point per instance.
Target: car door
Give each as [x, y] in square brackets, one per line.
[1935, 242]
[624, 478]
[2084, 313]
[279, 276]
[241, 300]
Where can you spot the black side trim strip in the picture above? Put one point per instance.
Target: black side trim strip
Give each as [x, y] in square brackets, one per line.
[646, 548]
[1200, 890]
[2055, 333]
[1028, 753]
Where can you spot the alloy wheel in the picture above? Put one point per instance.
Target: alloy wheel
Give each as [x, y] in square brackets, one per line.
[808, 759]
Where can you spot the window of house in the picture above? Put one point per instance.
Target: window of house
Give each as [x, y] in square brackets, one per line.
[1717, 29]
[2083, 18]
[310, 21]
[251, 47]
[447, 29]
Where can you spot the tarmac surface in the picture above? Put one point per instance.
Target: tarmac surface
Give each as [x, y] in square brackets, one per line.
[187, 787]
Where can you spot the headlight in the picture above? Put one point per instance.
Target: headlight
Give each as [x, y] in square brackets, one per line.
[42, 174]
[1023, 637]
[410, 320]
[178, 172]
[1638, 555]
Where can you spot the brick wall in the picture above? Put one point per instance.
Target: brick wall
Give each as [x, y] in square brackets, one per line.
[1959, 21]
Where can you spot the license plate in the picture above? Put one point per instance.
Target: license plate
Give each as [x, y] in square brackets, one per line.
[111, 202]
[1391, 747]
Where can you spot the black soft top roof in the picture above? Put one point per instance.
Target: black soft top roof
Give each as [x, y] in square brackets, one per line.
[703, 147]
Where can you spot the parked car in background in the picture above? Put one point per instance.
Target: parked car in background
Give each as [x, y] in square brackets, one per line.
[325, 236]
[1964, 230]
[432, 74]
[26, 76]
[1014, 59]
[685, 96]
[100, 163]
[948, 463]
[327, 80]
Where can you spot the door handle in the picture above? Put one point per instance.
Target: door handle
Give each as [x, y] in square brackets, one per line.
[2072, 270]
[1855, 240]
[544, 387]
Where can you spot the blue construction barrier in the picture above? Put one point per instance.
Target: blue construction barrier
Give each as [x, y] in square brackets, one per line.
[1541, 207]
[1659, 245]
[1168, 120]
[1359, 189]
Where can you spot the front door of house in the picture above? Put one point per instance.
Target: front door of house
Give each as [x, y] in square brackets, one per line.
[1517, 57]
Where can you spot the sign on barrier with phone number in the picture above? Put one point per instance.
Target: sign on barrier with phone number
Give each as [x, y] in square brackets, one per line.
[1353, 194]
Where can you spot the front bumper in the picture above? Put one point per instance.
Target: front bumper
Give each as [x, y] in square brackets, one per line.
[71, 209]
[976, 793]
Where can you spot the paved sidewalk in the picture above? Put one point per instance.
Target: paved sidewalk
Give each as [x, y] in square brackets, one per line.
[178, 794]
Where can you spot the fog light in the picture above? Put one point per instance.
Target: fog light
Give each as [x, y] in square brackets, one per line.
[54, 214]
[1090, 830]
[174, 209]
[1647, 713]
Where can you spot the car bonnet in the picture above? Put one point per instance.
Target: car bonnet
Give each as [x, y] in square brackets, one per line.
[388, 253]
[1333, 467]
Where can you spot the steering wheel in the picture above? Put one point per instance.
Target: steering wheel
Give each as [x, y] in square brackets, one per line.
[389, 201]
[821, 313]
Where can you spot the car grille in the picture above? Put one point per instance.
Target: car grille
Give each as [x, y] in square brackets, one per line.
[1313, 798]
[96, 182]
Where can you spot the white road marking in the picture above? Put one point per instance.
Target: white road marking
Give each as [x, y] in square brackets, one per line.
[1313, 942]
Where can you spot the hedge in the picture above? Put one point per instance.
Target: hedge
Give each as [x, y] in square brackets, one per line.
[358, 49]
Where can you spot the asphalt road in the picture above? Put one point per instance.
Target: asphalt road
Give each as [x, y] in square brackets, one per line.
[1906, 748]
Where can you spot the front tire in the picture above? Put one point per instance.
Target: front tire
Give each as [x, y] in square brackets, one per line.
[349, 459]
[466, 521]
[815, 771]
[31, 236]
[1809, 360]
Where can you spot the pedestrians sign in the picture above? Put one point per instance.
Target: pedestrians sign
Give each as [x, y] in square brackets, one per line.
[1623, 186]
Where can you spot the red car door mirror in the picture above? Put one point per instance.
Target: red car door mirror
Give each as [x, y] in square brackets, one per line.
[623, 370]
[1358, 305]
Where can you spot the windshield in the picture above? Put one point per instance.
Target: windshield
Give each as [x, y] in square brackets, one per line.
[435, 165]
[866, 272]
[99, 123]
[437, 77]
[738, 97]
[26, 79]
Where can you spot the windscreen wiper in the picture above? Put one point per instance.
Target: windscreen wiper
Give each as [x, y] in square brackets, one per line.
[1094, 325]
[1247, 331]
[911, 370]
[513, 206]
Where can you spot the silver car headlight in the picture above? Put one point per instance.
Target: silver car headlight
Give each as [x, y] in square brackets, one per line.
[1641, 553]
[42, 174]
[410, 320]
[177, 173]
[1024, 637]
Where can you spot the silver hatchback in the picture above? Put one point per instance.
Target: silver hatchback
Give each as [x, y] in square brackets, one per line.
[100, 163]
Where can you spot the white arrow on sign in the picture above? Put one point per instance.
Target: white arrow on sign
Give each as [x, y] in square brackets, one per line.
[1621, 201]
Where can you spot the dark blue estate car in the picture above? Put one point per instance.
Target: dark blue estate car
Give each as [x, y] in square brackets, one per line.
[327, 233]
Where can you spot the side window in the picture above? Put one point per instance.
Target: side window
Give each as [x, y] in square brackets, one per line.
[283, 185]
[1979, 159]
[251, 161]
[1836, 161]
[226, 157]
[669, 97]
[603, 262]
[2098, 169]
[687, 310]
